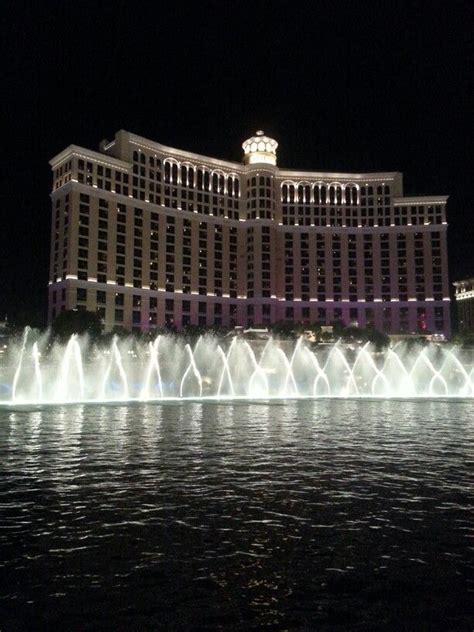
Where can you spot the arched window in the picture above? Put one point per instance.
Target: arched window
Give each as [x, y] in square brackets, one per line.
[350, 194]
[354, 196]
[292, 193]
[174, 173]
[323, 194]
[316, 197]
[300, 194]
[167, 172]
[332, 195]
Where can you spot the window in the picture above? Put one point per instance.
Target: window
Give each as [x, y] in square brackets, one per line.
[81, 294]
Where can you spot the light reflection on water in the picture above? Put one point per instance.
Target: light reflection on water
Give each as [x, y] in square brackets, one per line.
[326, 514]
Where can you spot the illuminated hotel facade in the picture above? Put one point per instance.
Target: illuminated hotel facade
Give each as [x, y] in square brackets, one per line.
[147, 235]
[465, 304]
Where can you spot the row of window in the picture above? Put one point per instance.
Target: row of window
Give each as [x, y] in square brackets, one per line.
[334, 194]
[186, 174]
[303, 204]
[144, 312]
[329, 257]
[360, 216]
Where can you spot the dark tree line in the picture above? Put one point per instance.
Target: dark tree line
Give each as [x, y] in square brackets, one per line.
[82, 322]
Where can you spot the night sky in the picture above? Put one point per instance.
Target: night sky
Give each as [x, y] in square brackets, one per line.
[341, 85]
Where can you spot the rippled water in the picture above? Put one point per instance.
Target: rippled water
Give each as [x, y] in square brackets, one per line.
[303, 515]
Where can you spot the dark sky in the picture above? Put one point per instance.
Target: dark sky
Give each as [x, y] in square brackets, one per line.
[341, 85]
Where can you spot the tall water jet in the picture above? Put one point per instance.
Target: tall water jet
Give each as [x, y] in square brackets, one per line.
[340, 374]
[115, 361]
[20, 364]
[38, 377]
[426, 379]
[290, 378]
[72, 359]
[225, 375]
[456, 375]
[396, 373]
[192, 369]
[153, 367]
[258, 383]
[321, 380]
[371, 378]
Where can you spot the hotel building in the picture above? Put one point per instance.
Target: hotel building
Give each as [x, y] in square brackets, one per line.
[147, 235]
[465, 304]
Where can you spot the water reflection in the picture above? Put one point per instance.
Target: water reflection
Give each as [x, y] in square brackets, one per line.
[237, 515]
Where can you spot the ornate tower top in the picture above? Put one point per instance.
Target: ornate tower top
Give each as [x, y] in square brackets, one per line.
[260, 149]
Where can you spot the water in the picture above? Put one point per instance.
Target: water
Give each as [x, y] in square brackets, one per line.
[227, 368]
[325, 514]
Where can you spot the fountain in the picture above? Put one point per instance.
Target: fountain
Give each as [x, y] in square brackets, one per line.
[168, 368]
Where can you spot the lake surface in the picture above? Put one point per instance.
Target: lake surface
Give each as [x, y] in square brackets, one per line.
[298, 515]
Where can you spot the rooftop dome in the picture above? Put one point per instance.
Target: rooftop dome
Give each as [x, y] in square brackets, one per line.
[260, 149]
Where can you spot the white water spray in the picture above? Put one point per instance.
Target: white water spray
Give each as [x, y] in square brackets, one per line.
[242, 369]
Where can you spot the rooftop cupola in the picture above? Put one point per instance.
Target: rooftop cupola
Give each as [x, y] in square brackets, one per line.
[260, 149]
